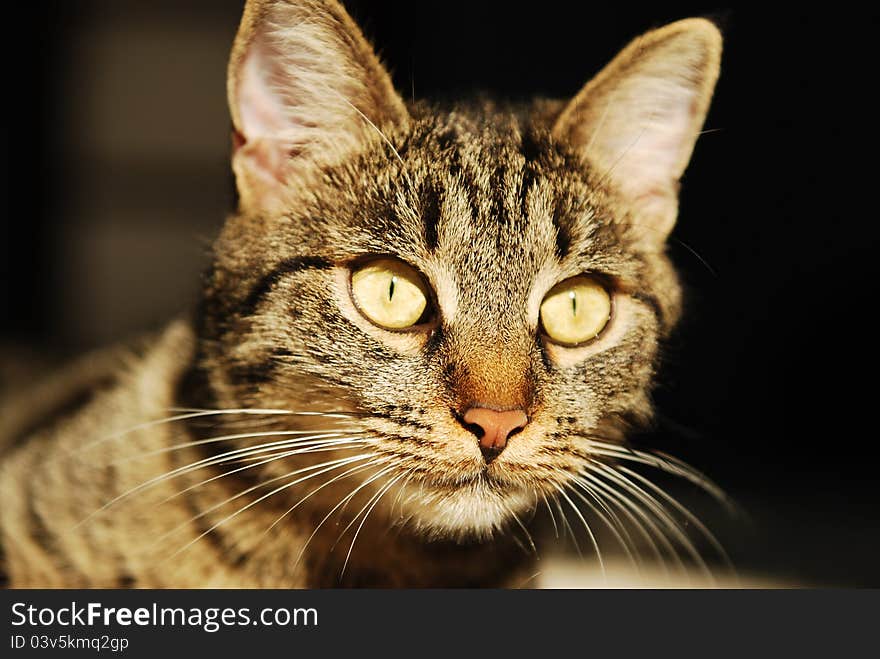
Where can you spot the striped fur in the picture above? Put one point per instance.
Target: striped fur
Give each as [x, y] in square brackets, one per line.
[493, 204]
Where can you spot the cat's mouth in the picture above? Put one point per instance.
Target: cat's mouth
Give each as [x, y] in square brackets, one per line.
[483, 478]
[488, 480]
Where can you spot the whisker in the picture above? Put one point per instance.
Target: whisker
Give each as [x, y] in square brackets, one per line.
[601, 122]
[552, 516]
[603, 517]
[382, 135]
[526, 531]
[693, 519]
[696, 255]
[624, 153]
[330, 415]
[567, 527]
[638, 525]
[229, 438]
[663, 462]
[674, 529]
[244, 492]
[587, 527]
[193, 466]
[189, 414]
[646, 523]
[661, 514]
[322, 486]
[382, 493]
[261, 460]
[400, 491]
[317, 447]
[337, 507]
[529, 580]
[355, 518]
[342, 462]
[606, 506]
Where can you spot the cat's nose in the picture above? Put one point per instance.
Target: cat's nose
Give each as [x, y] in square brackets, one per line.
[494, 428]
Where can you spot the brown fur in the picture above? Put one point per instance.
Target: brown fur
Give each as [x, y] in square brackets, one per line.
[494, 205]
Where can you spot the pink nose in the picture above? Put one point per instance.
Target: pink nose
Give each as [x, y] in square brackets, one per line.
[496, 428]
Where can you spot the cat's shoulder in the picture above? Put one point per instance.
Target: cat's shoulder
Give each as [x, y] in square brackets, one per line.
[99, 389]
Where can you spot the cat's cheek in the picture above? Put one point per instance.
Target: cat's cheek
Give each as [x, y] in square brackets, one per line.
[623, 317]
[406, 343]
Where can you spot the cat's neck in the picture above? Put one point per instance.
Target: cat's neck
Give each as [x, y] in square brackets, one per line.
[396, 558]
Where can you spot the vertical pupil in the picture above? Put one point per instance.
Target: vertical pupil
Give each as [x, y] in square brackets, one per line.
[391, 288]
[574, 302]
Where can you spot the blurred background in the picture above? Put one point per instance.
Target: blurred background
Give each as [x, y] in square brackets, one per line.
[116, 179]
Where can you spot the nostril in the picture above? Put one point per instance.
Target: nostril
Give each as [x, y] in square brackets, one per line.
[474, 428]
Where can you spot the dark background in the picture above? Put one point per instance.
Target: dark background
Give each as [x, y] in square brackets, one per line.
[115, 175]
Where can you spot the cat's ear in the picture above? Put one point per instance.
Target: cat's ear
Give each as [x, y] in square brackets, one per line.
[305, 89]
[637, 121]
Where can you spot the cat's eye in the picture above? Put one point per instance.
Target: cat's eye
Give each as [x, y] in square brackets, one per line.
[390, 293]
[575, 310]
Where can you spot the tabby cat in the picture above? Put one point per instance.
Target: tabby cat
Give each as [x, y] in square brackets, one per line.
[421, 325]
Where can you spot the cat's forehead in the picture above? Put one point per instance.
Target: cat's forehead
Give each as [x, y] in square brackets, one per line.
[483, 202]
[490, 197]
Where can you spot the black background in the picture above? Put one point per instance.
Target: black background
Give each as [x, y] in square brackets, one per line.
[770, 384]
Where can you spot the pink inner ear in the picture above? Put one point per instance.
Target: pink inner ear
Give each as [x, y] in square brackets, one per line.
[261, 111]
[269, 132]
[643, 147]
[303, 87]
[652, 144]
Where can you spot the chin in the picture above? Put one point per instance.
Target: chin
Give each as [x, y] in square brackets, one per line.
[474, 511]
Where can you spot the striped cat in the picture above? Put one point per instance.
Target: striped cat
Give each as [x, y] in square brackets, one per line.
[421, 325]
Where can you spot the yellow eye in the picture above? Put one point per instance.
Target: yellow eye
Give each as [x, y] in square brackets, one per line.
[575, 310]
[389, 293]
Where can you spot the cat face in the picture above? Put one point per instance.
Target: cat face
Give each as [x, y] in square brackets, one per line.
[478, 291]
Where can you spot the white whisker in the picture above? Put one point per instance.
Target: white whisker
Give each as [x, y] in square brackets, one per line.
[190, 414]
[605, 519]
[552, 516]
[199, 464]
[381, 493]
[567, 527]
[526, 531]
[341, 462]
[322, 486]
[663, 462]
[660, 513]
[693, 519]
[337, 507]
[307, 413]
[627, 504]
[244, 492]
[336, 445]
[303, 434]
[587, 527]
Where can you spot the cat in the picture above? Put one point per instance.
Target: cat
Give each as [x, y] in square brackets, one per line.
[421, 324]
